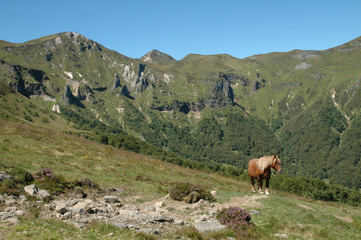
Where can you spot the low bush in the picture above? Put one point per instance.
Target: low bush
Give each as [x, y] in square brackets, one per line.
[21, 176]
[239, 220]
[54, 186]
[14, 185]
[181, 190]
[9, 187]
[44, 173]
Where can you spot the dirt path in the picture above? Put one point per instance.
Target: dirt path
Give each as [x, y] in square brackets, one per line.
[246, 201]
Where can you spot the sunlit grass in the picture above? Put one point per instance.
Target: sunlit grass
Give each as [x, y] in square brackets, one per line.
[33, 148]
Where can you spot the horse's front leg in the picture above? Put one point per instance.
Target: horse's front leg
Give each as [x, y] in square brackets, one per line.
[252, 181]
[267, 186]
[260, 185]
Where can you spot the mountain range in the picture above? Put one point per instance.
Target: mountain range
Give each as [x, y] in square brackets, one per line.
[304, 104]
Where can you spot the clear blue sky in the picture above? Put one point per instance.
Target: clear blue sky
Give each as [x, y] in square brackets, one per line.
[240, 28]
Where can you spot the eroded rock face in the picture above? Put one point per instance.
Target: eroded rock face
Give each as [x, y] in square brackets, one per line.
[116, 82]
[26, 81]
[221, 94]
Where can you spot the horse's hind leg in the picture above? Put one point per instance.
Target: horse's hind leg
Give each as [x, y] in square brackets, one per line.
[260, 185]
[252, 181]
[267, 186]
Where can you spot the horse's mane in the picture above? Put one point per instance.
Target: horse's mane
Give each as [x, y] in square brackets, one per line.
[264, 162]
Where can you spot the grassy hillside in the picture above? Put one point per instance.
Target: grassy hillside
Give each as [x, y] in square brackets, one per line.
[212, 109]
[32, 147]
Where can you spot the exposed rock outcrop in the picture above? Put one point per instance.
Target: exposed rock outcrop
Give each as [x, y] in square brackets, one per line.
[33, 85]
[33, 190]
[4, 176]
[69, 99]
[221, 94]
[184, 107]
[116, 82]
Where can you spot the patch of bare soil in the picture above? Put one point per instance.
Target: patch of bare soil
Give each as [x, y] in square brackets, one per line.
[245, 201]
[305, 207]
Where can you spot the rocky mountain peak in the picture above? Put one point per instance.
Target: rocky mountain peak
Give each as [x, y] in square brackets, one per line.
[158, 57]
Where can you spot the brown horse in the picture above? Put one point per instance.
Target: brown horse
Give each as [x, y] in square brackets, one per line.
[260, 168]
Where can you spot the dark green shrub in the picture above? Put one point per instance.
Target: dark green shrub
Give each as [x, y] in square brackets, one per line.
[45, 120]
[21, 176]
[55, 185]
[182, 190]
[9, 187]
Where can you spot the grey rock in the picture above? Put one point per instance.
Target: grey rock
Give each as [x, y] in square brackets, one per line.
[169, 208]
[19, 213]
[159, 204]
[111, 199]
[67, 215]
[50, 206]
[204, 217]
[149, 231]
[201, 203]
[73, 202]
[12, 220]
[11, 209]
[6, 215]
[212, 212]
[79, 211]
[119, 225]
[43, 194]
[209, 226]
[178, 222]
[151, 209]
[10, 201]
[31, 189]
[254, 212]
[22, 198]
[84, 204]
[4, 176]
[128, 213]
[61, 208]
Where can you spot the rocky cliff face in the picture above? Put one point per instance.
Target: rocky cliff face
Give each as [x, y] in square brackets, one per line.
[23, 80]
[221, 94]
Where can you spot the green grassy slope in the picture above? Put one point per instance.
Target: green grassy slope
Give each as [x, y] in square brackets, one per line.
[33, 147]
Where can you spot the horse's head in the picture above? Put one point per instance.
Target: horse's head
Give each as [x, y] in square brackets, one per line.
[276, 163]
